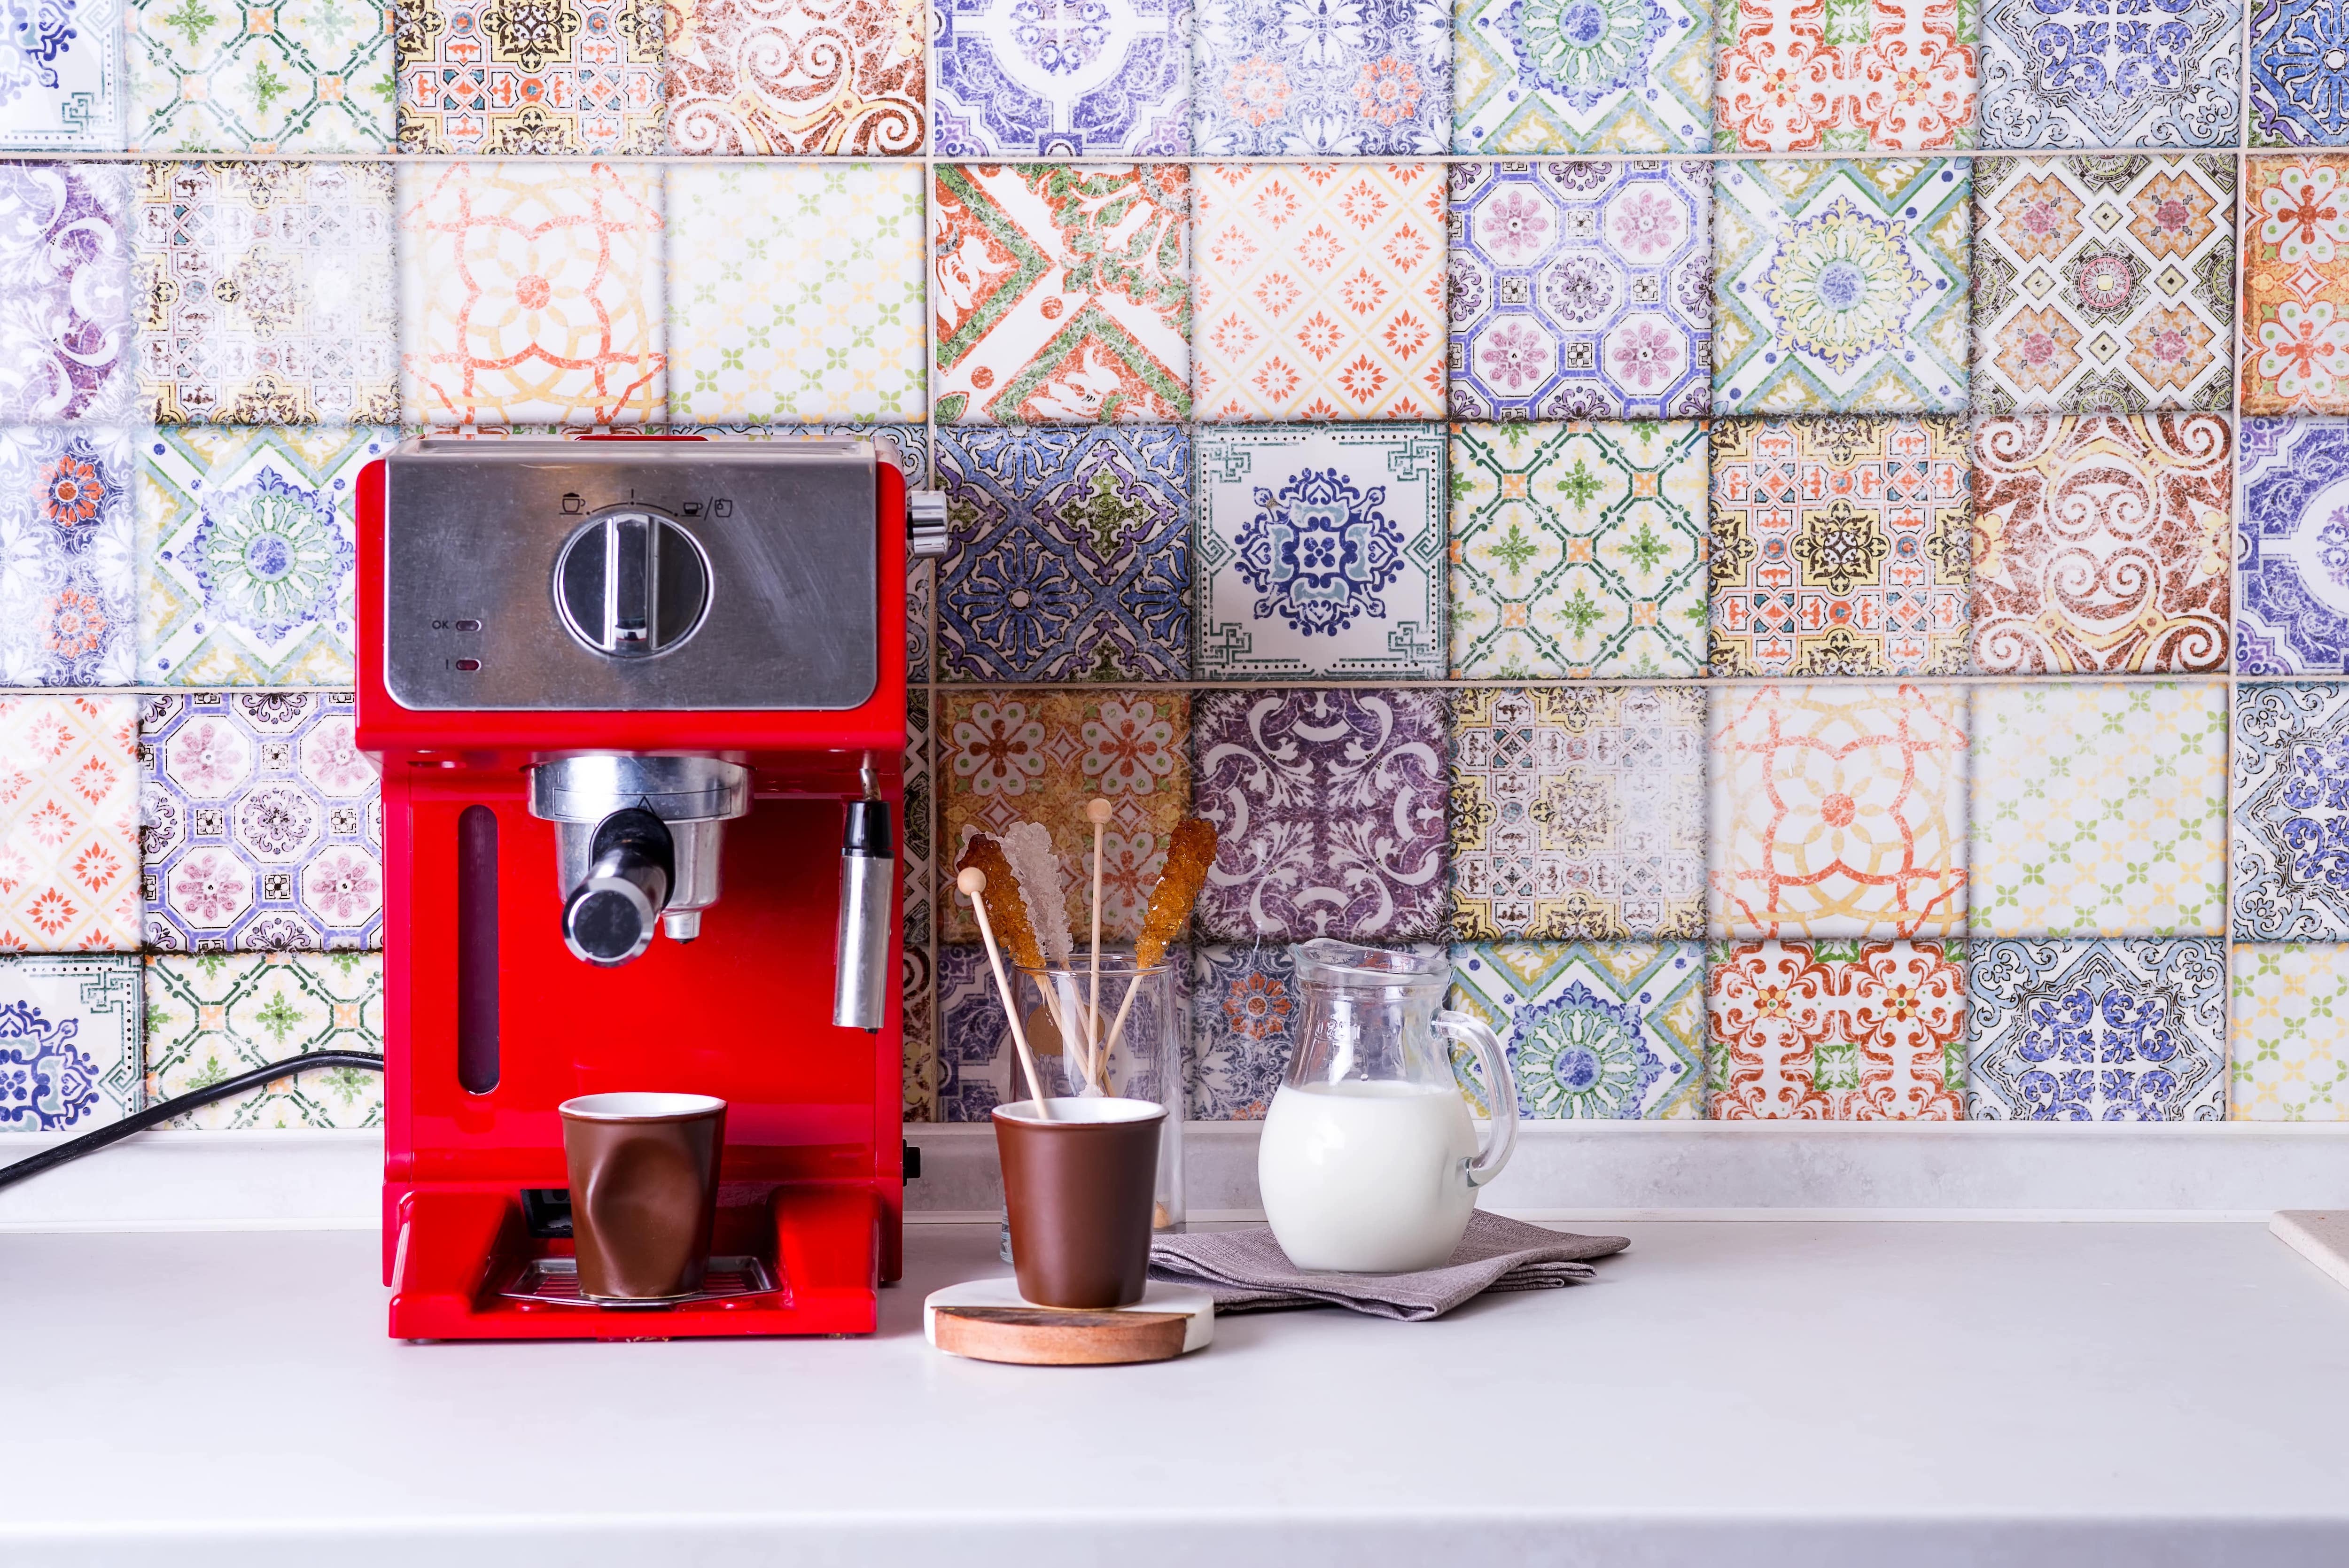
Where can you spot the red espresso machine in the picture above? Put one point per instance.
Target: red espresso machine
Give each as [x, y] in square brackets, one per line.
[640, 705]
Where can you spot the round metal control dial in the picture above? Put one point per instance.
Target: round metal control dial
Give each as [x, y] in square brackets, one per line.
[632, 582]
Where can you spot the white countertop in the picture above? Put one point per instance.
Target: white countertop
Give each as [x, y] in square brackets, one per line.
[1734, 1392]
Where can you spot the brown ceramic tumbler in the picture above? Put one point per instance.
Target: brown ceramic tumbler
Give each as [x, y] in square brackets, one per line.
[644, 1190]
[1080, 1187]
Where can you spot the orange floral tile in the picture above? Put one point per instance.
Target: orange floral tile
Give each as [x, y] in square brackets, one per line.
[1861, 76]
[1838, 1031]
[69, 824]
[1039, 756]
[2296, 285]
[1321, 292]
[532, 294]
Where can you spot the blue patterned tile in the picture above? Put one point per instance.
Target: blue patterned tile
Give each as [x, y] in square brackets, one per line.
[1061, 79]
[2128, 1030]
[261, 825]
[69, 1041]
[2061, 73]
[1244, 1016]
[68, 573]
[1605, 1030]
[2291, 557]
[1284, 78]
[1581, 290]
[1072, 554]
[2299, 94]
[1320, 552]
[975, 1062]
[62, 81]
[2291, 848]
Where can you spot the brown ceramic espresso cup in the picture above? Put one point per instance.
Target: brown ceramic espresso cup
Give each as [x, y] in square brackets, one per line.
[644, 1190]
[1080, 1188]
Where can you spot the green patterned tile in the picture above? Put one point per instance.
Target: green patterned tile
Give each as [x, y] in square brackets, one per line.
[214, 1017]
[1579, 549]
[301, 76]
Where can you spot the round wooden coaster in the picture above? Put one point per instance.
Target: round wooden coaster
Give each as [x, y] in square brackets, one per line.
[1045, 1336]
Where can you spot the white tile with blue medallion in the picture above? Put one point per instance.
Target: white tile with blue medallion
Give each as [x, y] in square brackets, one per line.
[2127, 1030]
[1062, 78]
[1320, 552]
[70, 1040]
[64, 83]
[246, 561]
[1607, 1030]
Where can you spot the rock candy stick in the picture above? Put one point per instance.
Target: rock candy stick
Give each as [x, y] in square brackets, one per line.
[1009, 909]
[1188, 857]
[973, 881]
[1014, 918]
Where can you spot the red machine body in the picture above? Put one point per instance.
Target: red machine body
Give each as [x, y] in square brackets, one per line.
[810, 1175]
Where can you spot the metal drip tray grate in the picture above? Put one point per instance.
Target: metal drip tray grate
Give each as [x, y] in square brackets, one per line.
[556, 1281]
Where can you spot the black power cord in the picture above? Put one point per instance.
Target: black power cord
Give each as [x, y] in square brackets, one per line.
[179, 1105]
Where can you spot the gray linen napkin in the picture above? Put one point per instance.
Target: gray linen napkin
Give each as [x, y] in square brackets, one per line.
[1246, 1271]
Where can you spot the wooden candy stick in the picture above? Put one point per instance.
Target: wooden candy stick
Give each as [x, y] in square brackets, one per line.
[1188, 857]
[1097, 812]
[973, 883]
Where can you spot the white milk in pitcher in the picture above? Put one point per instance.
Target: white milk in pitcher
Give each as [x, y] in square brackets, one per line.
[1367, 1178]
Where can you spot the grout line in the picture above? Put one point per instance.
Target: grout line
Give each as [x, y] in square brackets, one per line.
[929, 161]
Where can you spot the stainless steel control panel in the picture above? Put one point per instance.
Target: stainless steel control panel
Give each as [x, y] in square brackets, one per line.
[558, 575]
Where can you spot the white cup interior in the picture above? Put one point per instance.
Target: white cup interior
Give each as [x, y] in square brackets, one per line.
[641, 1106]
[1084, 1109]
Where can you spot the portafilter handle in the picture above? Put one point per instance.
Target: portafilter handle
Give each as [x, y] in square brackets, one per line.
[868, 862]
[608, 918]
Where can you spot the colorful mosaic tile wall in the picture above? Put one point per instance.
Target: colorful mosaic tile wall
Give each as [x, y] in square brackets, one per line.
[1810, 548]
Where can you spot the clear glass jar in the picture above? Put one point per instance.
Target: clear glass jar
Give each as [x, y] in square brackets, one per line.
[1139, 1055]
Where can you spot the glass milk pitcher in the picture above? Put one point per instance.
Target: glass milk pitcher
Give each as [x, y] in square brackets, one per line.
[1368, 1161]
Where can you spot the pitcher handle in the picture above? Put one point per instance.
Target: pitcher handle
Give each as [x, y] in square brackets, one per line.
[1500, 1093]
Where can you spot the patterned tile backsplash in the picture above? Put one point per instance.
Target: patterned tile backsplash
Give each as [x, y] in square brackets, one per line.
[1857, 634]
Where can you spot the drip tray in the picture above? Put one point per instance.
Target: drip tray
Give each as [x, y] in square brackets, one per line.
[557, 1282]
